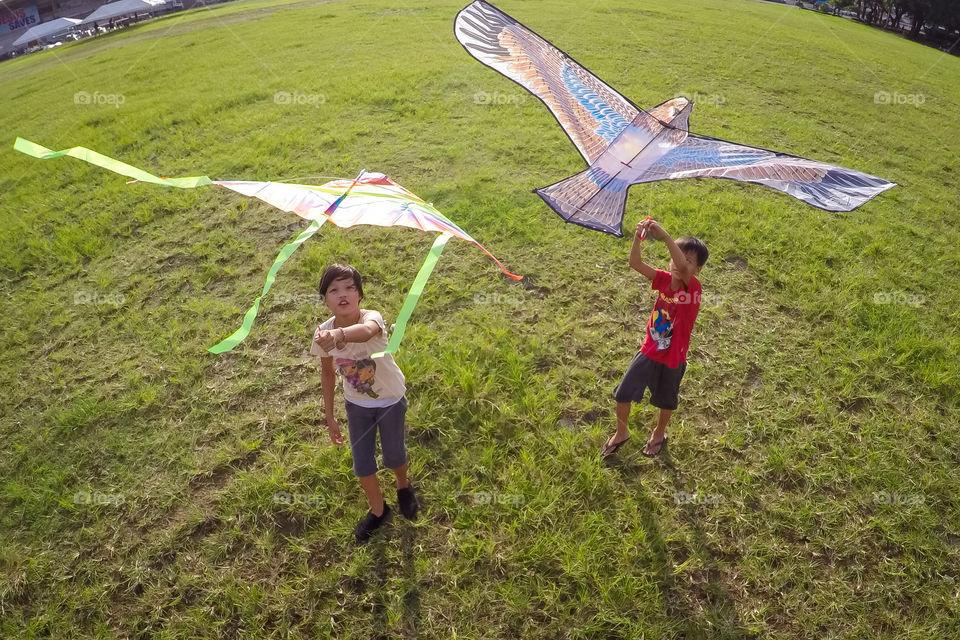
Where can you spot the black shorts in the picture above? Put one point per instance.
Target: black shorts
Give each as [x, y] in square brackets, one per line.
[663, 382]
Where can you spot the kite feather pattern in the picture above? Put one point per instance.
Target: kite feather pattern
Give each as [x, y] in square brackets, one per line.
[625, 145]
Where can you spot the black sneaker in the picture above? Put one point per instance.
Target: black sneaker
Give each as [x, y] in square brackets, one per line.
[407, 501]
[371, 523]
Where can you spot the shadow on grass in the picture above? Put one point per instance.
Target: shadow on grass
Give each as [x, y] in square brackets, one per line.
[719, 618]
[411, 585]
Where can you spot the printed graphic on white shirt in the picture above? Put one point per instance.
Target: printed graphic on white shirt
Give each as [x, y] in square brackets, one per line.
[359, 374]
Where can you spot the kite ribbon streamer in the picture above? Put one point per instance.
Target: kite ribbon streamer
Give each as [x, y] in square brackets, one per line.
[100, 160]
[240, 334]
[414, 295]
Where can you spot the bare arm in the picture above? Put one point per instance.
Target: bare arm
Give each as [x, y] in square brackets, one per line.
[328, 381]
[360, 332]
[636, 256]
[333, 338]
[679, 259]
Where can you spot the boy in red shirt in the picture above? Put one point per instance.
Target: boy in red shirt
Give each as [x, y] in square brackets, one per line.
[662, 359]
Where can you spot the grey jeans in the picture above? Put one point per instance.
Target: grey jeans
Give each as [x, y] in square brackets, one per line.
[364, 422]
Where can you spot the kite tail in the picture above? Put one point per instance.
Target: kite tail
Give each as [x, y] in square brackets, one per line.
[108, 163]
[413, 296]
[499, 264]
[580, 200]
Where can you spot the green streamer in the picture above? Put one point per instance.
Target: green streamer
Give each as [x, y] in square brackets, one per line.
[238, 336]
[100, 160]
[414, 295]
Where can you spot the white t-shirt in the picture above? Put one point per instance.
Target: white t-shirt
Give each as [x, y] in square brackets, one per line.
[368, 382]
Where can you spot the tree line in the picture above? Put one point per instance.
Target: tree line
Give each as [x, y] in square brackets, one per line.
[925, 17]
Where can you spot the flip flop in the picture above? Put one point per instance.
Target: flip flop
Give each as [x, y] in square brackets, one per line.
[614, 448]
[656, 445]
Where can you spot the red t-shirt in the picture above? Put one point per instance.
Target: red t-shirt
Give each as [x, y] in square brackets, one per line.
[668, 331]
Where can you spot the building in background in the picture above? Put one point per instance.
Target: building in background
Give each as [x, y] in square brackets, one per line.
[17, 16]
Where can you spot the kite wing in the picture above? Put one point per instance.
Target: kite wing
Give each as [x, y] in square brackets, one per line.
[375, 200]
[816, 183]
[590, 112]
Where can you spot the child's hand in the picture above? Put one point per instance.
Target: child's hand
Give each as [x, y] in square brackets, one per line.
[651, 228]
[326, 339]
[642, 228]
[333, 428]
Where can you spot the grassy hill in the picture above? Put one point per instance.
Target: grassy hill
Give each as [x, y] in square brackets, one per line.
[153, 490]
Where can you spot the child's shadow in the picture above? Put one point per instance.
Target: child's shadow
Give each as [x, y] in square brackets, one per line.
[379, 546]
[720, 612]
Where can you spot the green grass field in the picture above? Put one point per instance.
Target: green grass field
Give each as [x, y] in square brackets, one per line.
[809, 489]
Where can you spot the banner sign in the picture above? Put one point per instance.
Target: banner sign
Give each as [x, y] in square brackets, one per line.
[19, 19]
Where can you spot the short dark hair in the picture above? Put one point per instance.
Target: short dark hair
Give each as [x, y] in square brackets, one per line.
[340, 272]
[689, 243]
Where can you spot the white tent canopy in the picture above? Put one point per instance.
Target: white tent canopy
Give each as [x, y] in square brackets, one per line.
[46, 29]
[123, 8]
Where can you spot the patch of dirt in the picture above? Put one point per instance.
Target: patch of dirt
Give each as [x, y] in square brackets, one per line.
[754, 379]
[854, 405]
[352, 584]
[205, 528]
[289, 525]
[216, 478]
[575, 421]
[737, 262]
[793, 312]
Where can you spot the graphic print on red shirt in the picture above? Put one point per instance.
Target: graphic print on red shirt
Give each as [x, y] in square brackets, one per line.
[667, 336]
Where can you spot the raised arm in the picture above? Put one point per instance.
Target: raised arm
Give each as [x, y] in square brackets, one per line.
[680, 260]
[636, 255]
